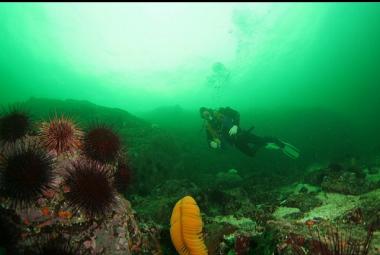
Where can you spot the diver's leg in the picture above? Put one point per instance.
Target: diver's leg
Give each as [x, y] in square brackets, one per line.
[267, 142]
[258, 141]
[246, 149]
[275, 143]
[274, 140]
[242, 144]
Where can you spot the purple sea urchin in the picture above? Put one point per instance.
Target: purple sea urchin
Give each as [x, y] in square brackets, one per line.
[101, 144]
[26, 171]
[14, 125]
[60, 135]
[89, 188]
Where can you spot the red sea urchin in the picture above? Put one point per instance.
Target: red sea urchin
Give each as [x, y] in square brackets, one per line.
[26, 171]
[14, 125]
[60, 135]
[338, 242]
[101, 144]
[89, 188]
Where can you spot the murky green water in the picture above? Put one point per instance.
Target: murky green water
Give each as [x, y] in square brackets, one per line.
[307, 73]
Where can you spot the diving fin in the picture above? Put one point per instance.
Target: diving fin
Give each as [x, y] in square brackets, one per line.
[272, 146]
[290, 151]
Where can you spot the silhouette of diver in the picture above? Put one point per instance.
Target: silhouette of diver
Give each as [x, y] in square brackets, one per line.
[223, 124]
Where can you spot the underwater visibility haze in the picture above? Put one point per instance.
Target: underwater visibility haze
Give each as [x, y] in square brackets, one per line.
[190, 128]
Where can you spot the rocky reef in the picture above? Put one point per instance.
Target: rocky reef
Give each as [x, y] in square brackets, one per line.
[63, 194]
[148, 169]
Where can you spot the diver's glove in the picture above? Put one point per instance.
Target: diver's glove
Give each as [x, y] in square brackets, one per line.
[233, 130]
[215, 144]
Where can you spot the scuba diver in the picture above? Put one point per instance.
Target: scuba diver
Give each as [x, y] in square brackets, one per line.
[223, 125]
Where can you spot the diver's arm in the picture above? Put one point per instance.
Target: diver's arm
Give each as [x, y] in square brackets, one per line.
[235, 115]
[237, 120]
[232, 114]
[234, 118]
[212, 137]
[209, 136]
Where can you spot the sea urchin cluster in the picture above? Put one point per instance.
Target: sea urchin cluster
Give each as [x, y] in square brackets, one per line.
[26, 171]
[60, 135]
[90, 189]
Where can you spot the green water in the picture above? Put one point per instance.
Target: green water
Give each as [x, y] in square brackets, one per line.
[140, 56]
[307, 73]
[304, 71]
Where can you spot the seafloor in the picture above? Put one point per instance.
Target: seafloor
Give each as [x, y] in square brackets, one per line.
[331, 209]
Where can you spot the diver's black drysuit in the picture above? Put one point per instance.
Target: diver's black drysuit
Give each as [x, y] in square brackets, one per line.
[223, 120]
